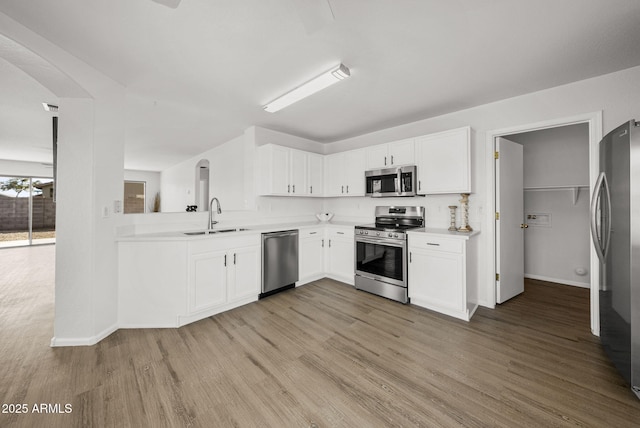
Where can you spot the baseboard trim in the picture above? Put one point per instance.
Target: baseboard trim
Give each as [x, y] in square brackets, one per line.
[82, 341]
[559, 281]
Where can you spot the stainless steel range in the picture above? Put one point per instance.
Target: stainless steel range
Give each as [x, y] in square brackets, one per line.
[381, 251]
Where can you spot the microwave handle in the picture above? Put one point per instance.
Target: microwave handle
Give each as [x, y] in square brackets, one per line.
[399, 184]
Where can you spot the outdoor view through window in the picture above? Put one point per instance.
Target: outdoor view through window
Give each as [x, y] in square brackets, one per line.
[27, 211]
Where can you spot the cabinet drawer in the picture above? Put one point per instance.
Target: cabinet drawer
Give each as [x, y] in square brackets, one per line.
[310, 233]
[340, 232]
[436, 244]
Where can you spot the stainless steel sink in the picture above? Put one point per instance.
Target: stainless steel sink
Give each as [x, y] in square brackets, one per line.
[211, 232]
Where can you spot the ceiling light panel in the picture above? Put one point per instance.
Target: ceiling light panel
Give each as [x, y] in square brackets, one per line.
[326, 79]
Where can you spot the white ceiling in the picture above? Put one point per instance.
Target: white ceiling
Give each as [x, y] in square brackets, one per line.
[198, 75]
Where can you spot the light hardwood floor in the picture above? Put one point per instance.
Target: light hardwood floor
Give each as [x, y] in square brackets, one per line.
[320, 355]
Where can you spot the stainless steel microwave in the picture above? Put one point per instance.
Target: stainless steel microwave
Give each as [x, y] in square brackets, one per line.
[389, 182]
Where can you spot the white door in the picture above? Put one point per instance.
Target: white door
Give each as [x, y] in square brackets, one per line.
[510, 220]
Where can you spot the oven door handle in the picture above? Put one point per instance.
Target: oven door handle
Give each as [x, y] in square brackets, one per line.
[372, 240]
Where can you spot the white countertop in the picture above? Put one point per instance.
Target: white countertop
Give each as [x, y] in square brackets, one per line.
[249, 229]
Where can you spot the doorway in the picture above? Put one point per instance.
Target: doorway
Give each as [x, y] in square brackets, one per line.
[593, 121]
[556, 204]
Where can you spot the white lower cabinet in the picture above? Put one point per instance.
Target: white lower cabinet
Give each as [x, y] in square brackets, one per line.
[207, 281]
[172, 283]
[442, 273]
[311, 255]
[339, 254]
[244, 274]
[222, 273]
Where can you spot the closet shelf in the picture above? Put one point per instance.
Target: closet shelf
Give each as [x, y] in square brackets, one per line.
[575, 189]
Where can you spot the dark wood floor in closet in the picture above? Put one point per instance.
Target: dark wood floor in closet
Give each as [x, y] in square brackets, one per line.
[320, 355]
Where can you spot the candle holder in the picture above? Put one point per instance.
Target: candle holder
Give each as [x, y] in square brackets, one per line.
[465, 213]
[452, 216]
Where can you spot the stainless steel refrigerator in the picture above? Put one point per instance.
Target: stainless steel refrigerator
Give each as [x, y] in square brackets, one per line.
[615, 229]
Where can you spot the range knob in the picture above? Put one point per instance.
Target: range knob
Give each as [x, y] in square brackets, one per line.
[395, 235]
[391, 235]
[366, 232]
[361, 232]
[377, 233]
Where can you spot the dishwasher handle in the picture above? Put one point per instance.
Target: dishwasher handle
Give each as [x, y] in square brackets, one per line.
[280, 233]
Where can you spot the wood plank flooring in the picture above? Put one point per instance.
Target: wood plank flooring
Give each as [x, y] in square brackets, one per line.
[321, 355]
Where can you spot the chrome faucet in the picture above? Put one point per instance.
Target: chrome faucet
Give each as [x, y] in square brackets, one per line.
[219, 210]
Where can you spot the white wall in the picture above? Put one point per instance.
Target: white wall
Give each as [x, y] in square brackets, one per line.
[227, 175]
[267, 136]
[152, 184]
[90, 163]
[555, 156]
[555, 252]
[30, 169]
[615, 94]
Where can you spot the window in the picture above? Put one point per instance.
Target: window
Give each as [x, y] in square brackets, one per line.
[27, 211]
[134, 197]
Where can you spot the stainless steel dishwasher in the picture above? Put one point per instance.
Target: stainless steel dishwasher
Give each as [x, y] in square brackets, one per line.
[279, 261]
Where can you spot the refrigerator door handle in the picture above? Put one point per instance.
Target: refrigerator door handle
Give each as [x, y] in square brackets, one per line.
[601, 242]
[605, 249]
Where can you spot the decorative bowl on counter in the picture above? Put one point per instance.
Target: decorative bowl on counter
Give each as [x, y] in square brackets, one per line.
[324, 217]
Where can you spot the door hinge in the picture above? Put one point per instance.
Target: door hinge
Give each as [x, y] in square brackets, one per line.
[496, 155]
[497, 215]
[497, 277]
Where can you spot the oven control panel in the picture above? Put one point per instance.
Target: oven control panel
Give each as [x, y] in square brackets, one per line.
[383, 234]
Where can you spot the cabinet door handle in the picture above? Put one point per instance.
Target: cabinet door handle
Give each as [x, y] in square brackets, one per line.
[323, 243]
[347, 188]
[342, 191]
[310, 189]
[312, 233]
[329, 243]
[225, 259]
[288, 188]
[431, 243]
[234, 258]
[385, 160]
[340, 233]
[294, 188]
[419, 185]
[410, 258]
[391, 159]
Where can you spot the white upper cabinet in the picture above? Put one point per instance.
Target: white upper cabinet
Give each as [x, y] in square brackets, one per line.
[288, 172]
[315, 174]
[391, 154]
[298, 172]
[344, 173]
[444, 162]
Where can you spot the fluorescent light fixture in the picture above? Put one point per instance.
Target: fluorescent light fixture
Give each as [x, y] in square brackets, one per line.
[328, 78]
